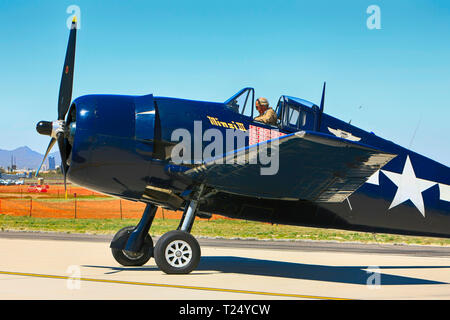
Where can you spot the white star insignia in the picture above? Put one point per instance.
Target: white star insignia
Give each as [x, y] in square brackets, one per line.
[409, 187]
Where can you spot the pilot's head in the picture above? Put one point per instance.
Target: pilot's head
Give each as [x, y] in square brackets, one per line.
[262, 105]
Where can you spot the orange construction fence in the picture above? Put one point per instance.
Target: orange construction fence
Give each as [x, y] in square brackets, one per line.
[83, 209]
[20, 200]
[80, 209]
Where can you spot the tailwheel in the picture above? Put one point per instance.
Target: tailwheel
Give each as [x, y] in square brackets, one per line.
[177, 252]
[130, 258]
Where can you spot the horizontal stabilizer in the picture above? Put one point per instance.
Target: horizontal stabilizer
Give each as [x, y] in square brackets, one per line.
[309, 166]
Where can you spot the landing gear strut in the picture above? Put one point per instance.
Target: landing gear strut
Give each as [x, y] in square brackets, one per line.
[176, 252]
[133, 246]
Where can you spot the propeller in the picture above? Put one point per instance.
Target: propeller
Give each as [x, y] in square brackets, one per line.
[57, 129]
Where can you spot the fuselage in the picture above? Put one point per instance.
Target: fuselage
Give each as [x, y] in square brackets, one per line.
[123, 146]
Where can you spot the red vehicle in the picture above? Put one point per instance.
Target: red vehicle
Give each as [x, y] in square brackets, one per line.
[38, 188]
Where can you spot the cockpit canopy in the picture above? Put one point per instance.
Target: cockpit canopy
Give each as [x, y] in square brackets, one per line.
[293, 113]
[243, 102]
[296, 114]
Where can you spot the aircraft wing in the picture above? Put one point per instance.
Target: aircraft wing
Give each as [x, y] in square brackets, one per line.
[311, 166]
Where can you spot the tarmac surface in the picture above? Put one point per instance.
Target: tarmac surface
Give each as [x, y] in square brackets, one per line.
[54, 266]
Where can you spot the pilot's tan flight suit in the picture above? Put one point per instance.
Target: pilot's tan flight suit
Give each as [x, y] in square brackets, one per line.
[269, 117]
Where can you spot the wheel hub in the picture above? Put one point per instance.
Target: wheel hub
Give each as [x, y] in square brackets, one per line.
[178, 253]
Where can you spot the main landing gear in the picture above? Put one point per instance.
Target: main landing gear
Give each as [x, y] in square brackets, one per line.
[176, 252]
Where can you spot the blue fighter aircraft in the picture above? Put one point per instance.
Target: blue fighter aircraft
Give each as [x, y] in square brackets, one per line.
[309, 169]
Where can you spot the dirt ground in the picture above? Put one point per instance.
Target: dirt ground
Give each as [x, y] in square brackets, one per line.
[18, 201]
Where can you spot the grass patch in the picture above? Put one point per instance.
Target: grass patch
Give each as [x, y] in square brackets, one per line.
[217, 228]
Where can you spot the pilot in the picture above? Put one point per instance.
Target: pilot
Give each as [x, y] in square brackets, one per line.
[266, 113]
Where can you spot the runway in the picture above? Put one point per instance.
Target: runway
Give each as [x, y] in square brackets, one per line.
[65, 266]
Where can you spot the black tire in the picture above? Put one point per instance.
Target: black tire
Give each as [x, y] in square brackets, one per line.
[127, 258]
[177, 252]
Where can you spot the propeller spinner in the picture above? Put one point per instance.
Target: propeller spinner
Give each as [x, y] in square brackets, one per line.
[57, 129]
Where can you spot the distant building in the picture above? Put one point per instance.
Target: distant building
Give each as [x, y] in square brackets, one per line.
[13, 164]
[51, 163]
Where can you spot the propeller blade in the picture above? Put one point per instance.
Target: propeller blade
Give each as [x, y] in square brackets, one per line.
[65, 89]
[50, 146]
[63, 152]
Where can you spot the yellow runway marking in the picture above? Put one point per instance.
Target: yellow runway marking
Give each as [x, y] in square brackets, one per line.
[287, 295]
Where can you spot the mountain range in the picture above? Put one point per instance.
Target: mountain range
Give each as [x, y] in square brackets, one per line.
[25, 158]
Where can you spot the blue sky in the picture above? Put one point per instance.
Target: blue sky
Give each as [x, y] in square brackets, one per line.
[208, 50]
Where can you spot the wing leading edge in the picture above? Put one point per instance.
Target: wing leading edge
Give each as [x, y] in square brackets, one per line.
[311, 166]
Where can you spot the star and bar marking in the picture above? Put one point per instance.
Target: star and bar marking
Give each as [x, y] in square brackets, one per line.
[409, 187]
